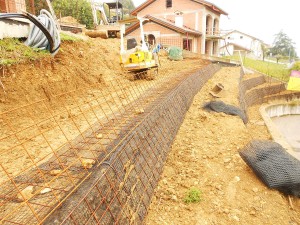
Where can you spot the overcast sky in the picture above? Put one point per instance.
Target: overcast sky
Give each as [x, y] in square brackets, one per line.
[260, 18]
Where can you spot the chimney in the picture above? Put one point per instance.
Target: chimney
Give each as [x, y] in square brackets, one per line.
[178, 19]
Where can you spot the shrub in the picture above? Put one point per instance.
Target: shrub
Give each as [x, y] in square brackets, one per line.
[296, 66]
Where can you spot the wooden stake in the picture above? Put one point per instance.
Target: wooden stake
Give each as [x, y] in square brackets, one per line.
[291, 202]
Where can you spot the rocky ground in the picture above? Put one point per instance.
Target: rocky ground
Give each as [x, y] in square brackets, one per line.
[205, 156]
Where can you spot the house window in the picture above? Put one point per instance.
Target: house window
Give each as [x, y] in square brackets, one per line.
[241, 37]
[187, 44]
[228, 37]
[169, 3]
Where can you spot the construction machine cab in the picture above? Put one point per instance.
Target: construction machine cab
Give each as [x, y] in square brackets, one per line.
[137, 58]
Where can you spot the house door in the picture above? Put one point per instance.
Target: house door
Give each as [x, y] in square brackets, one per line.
[187, 44]
[207, 48]
[215, 48]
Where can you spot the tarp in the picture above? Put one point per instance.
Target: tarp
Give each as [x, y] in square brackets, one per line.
[175, 53]
[294, 82]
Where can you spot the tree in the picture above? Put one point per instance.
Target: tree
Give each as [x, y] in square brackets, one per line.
[79, 9]
[265, 50]
[128, 6]
[283, 46]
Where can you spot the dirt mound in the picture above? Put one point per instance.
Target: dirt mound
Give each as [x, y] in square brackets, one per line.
[77, 64]
[68, 20]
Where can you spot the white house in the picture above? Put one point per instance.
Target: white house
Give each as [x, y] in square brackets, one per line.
[239, 41]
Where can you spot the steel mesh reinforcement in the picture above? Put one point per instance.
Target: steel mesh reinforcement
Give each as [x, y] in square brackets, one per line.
[92, 155]
[119, 189]
[273, 165]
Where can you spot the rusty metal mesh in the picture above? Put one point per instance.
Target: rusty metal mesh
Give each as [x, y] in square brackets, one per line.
[92, 155]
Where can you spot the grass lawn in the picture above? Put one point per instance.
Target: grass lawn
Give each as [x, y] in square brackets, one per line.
[275, 70]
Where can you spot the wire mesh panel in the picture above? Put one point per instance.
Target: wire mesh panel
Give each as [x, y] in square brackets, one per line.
[120, 188]
[92, 155]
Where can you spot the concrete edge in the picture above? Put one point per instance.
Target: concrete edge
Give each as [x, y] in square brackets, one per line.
[272, 128]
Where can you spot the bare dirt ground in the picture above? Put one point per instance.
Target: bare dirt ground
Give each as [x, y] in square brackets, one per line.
[88, 71]
[205, 156]
[49, 102]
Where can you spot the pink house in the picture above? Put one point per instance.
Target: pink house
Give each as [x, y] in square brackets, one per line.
[189, 24]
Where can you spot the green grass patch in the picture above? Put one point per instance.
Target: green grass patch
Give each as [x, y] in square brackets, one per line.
[13, 51]
[275, 70]
[69, 38]
[193, 196]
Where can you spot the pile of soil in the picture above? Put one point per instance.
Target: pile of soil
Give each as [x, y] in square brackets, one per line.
[77, 64]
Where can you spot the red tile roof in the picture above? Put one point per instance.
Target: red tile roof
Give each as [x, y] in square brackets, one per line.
[165, 23]
[212, 6]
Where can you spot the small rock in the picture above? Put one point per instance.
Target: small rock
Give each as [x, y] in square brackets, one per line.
[255, 190]
[99, 136]
[234, 217]
[226, 160]
[226, 211]
[174, 198]
[171, 190]
[25, 194]
[55, 172]
[139, 111]
[237, 178]
[252, 213]
[219, 187]
[88, 163]
[45, 190]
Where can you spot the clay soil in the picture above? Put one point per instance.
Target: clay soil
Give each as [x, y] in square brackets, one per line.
[51, 101]
[205, 156]
[81, 74]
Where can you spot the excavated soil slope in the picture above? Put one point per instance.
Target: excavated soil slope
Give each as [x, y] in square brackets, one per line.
[204, 154]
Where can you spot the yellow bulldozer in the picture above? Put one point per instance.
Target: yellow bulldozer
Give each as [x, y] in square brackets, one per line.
[138, 60]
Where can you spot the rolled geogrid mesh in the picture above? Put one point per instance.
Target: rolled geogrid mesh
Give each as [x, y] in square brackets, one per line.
[219, 106]
[273, 165]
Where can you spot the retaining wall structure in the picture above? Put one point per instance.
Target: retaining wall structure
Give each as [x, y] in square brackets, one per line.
[250, 92]
[101, 150]
[119, 189]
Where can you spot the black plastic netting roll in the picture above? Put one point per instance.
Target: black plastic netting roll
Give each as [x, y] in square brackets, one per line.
[219, 106]
[273, 165]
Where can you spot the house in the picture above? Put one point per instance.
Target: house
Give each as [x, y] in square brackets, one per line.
[238, 41]
[12, 6]
[232, 48]
[189, 24]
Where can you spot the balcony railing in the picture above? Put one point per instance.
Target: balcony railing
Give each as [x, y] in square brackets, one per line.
[213, 33]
